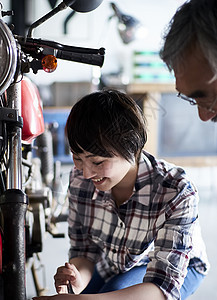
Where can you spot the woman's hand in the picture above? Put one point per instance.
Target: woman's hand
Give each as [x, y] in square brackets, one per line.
[65, 275]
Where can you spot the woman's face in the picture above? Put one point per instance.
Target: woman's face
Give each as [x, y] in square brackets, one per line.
[105, 172]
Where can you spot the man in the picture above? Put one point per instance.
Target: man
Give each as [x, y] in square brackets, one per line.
[190, 50]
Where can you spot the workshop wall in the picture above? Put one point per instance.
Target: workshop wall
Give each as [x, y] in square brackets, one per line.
[94, 29]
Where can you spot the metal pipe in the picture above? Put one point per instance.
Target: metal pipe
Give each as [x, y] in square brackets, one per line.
[14, 177]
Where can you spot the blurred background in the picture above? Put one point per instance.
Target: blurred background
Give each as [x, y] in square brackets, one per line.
[131, 33]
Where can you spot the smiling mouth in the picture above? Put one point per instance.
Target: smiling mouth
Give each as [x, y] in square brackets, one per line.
[97, 180]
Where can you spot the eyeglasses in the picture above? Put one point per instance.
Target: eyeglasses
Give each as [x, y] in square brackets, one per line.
[194, 102]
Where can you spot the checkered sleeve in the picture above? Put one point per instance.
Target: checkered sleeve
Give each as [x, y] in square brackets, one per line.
[173, 244]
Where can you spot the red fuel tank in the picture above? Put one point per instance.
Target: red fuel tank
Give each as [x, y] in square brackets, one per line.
[33, 120]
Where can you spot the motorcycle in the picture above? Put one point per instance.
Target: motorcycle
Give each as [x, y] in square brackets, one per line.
[22, 202]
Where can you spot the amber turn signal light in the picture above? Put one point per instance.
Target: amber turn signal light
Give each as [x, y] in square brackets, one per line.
[49, 63]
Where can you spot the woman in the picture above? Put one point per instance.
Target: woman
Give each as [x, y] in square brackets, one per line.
[133, 219]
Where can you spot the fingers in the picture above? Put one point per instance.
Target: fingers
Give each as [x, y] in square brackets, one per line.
[71, 267]
[63, 276]
[61, 289]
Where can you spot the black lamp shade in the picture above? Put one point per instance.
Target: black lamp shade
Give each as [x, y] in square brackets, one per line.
[83, 5]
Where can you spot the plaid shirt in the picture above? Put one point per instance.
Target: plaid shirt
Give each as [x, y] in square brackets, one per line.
[157, 226]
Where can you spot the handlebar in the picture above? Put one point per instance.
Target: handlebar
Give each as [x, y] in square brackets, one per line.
[38, 48]
[91, 59]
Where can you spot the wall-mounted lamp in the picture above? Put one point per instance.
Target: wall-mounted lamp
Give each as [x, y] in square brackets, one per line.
[129, 27]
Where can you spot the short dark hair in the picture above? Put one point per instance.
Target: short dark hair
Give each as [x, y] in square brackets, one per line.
[106, 123]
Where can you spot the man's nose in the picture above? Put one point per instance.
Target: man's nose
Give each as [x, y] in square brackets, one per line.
[88, 172]
[205, 115]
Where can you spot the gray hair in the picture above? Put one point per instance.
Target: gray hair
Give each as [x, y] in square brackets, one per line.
[194, 24]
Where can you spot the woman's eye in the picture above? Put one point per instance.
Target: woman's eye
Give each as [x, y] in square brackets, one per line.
[97, 163]
[77, 160]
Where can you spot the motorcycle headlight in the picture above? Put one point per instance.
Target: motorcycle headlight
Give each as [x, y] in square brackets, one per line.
[8, 57]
